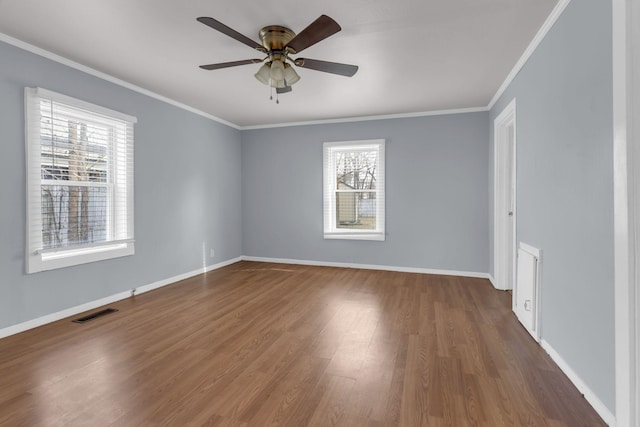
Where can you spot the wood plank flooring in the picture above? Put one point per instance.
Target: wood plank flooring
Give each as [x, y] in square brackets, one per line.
[257, 344]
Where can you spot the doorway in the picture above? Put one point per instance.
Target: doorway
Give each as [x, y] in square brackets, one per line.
[504, 209]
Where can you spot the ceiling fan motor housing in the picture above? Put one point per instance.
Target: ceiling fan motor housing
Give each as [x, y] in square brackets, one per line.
[275, 37]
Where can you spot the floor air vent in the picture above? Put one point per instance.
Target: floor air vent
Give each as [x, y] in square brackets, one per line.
[95, 315]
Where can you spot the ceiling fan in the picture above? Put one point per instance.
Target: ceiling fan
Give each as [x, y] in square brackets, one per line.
[278, 43]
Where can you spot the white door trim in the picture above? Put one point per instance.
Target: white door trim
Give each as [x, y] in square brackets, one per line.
[626, 156]
[504, 274]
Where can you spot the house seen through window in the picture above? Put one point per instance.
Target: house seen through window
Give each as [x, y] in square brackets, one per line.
[354, 190]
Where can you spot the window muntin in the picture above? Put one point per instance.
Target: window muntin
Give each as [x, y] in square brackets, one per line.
[354, 190]
[80, 181]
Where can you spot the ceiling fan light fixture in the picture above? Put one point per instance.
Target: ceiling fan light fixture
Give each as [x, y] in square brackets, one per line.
[263, 74]
[277, 70]
[290, 75]
[278, 84]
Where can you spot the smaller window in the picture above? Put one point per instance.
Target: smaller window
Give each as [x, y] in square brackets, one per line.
[354, 190]
[79, 181]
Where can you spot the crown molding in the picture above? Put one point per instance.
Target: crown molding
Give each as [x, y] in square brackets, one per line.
[369, 118]
[104, 76]
[540, 35]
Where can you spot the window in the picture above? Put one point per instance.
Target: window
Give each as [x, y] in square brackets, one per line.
[354, 190]
[79, 181]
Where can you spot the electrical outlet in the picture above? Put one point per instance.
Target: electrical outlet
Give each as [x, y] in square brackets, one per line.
[212, 253]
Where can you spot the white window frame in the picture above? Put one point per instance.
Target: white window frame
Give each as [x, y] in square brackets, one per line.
[121, 242]
[329, 181]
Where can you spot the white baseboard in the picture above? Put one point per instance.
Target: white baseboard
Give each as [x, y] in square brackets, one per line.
[160, 283]
[49, 318]
[53, 317]
[368, 267]
[589, 395]
[492, 280]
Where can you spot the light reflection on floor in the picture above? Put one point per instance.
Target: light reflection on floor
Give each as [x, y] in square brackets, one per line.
[56, 398]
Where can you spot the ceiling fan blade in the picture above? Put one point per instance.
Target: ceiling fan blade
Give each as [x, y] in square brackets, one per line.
[327, 67]
[230, 64]
[285, 89]
[219, 26]
[318, 30]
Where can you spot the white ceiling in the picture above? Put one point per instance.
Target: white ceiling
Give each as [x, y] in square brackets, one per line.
[414, 55]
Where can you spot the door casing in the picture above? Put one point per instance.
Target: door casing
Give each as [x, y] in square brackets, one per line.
[504, 197]
[626, 191]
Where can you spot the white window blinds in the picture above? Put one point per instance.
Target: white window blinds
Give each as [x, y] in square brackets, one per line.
[354, 190]
[79, 181]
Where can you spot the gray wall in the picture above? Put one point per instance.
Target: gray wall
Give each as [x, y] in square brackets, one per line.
[436, 193]
[187, 192]
[565, 186]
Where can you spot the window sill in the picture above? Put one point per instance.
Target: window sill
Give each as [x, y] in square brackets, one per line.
[53, 260]
[355, 236]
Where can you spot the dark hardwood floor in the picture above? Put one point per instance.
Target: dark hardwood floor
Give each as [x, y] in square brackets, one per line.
[256, 344]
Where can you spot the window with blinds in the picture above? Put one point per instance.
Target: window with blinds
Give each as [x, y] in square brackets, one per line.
[354, 190]
[79, 181]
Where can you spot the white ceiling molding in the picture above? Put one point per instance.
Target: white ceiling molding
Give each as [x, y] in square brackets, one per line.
[369, 118]
[542, 33]
[72, 64]
[88, 70]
